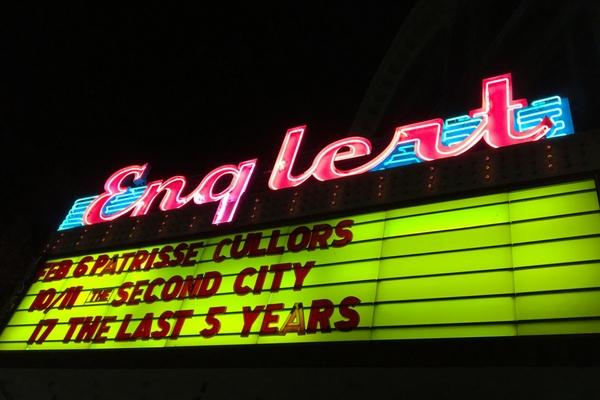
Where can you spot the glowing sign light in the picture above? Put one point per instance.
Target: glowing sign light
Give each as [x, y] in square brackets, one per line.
[457, 129]
[511, 263]
[501, 121]
[227, 198]
[495, 125]
[555, 107]
[323, 167]
[117, 203]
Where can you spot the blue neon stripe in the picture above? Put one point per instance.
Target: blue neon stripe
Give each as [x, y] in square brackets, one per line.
[555, 108]
[74, 217]
[457, 129]
[403, 155]
[124, 200]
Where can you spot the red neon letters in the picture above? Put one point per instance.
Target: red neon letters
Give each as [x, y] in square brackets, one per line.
[323, 167]
[496, 128]
[227, 198]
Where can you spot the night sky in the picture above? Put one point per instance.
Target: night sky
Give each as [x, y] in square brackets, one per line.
[86, 91]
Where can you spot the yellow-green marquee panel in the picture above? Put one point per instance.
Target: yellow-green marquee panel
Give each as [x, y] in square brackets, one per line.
[523, 262]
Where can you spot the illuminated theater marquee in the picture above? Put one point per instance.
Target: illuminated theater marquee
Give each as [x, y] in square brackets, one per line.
[520, 262]
[501, 121]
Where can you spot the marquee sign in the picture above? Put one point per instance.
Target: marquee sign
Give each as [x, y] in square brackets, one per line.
[500, 121]
[520, 262]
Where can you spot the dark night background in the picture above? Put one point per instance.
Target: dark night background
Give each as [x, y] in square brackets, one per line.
[85, 91]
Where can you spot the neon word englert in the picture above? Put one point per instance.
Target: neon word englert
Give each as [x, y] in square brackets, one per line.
[495, 122]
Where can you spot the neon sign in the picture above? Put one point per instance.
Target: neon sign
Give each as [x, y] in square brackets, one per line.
[227, 198]
[500, 121]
